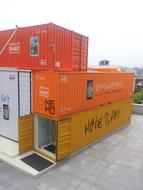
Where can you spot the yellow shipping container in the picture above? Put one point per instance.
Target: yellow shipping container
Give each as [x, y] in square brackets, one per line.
[58, 139]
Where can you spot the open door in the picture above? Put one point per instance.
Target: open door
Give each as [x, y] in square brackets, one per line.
[63, 138]
[52, 138]
[45, 136]
[26, 134]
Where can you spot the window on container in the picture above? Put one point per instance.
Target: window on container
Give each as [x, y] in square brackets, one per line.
[34, 46]
[6, 111]
[89, 91]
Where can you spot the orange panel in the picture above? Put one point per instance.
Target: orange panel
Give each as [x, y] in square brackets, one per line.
[44, 47]
[57, 94]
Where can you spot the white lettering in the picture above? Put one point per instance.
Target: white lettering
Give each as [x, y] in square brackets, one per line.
[14, 47]
[44, 92]
[108, 86]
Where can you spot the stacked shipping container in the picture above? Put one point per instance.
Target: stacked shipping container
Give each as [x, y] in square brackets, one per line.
[61, 88]
[41, 47]
[74, 132]
[57, 94]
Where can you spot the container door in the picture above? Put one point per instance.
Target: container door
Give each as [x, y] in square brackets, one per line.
[64, 138]
[80, 49]
[76, 51]
[84, 53]
[26, 134]
[9, 104]
[51, 46]
[24, 93]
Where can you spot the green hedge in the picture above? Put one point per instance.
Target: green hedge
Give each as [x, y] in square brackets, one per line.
[138, 97]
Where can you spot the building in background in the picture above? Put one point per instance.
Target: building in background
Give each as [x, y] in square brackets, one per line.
[138, 83]
[104, 62]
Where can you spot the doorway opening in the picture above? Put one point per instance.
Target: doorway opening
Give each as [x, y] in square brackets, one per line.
[45, 135]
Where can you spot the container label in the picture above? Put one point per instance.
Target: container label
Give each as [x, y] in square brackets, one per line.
[11, 77]
[50, 106]
[112, 86]
[40, 31]
[99, 122]
[43, 62]
[64, 78]
[14, 48]
[57, 64]
[34, 46]
[44, 92]
[65, 109]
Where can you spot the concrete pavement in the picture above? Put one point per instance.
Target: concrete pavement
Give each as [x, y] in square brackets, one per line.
[114, 163]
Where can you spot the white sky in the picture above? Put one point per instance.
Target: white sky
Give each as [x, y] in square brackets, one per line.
[114, 27]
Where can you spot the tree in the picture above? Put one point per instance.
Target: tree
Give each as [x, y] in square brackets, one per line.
[138, 97]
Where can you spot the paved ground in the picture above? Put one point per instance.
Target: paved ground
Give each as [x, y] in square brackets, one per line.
[115, 163]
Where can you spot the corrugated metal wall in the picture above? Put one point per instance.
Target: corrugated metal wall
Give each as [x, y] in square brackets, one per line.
[86, 127]
[44, 47]
[59, 94]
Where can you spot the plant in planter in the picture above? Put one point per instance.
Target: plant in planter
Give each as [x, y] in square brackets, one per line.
[138, 97]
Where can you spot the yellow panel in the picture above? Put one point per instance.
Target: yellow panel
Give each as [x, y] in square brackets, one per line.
[64, 138]
[86, 127]
[26, 134]
[96, 123]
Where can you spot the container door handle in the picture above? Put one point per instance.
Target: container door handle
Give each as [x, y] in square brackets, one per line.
[53, 47]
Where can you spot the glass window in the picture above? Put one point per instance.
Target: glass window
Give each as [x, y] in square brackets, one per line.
[89, 93]
[34, 46]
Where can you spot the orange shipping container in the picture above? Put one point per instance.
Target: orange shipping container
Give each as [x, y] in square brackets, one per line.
[57, 94]
[43, 47]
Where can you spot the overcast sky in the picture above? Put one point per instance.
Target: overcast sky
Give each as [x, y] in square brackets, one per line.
[114, 27]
